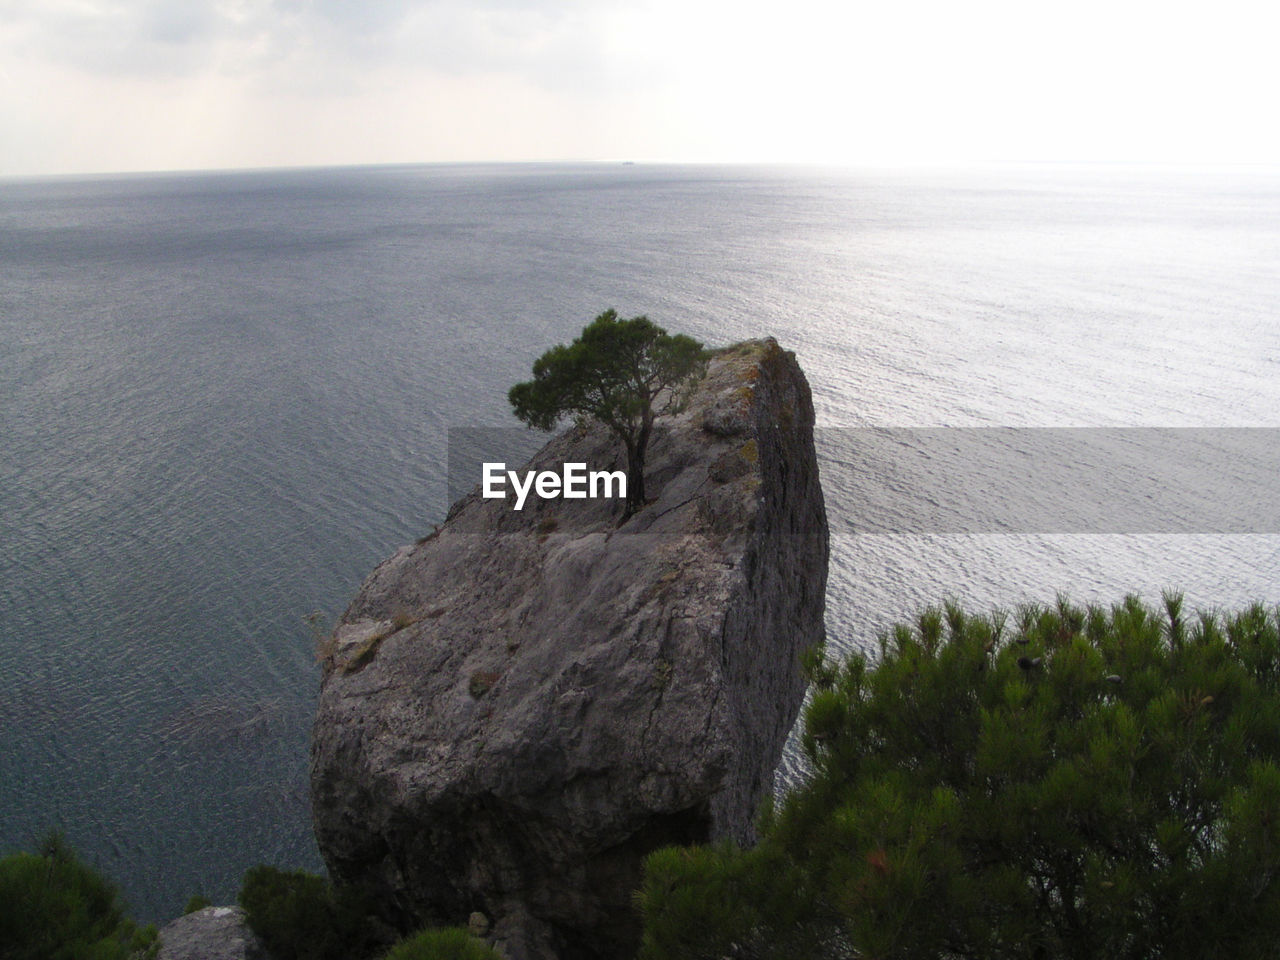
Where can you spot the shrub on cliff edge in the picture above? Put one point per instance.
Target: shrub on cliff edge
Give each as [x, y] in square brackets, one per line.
[54, 907]
[452, 943]
[1078, 783]
[301, 916]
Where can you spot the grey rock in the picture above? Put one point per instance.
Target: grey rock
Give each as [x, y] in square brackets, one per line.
[214, 933]
[728, 417]
[517, 710]
[729, 466]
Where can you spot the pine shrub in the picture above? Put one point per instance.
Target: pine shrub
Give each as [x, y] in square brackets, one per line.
[54, 907]
[1100, 783]
[301, 916]
[451, 943]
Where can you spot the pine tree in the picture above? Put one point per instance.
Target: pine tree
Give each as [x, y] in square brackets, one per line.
[623, 373]
[1076, 783]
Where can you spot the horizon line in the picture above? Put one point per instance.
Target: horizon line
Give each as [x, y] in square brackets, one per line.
[869, 164]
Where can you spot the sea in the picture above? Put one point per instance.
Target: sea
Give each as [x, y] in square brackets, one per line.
[226, 396]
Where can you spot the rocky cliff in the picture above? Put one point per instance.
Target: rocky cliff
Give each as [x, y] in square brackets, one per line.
[517, 709]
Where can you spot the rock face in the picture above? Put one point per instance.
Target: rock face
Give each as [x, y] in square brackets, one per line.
[517, 709]
[214, 933]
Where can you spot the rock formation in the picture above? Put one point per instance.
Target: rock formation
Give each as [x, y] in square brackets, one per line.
[214, 933]
[518, 708]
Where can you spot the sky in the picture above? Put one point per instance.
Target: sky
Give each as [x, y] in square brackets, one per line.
[124, 85]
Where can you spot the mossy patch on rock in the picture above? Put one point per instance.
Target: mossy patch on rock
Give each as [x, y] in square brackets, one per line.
[482, 682]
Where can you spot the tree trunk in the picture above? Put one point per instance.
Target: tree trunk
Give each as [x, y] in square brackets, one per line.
[635, 466]
[635, 481]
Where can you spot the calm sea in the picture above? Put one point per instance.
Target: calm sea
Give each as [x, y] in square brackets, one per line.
[224, 397]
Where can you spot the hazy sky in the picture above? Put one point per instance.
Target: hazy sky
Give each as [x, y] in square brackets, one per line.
[103, 85]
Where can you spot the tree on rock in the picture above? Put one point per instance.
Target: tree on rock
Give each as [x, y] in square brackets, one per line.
[624, 373]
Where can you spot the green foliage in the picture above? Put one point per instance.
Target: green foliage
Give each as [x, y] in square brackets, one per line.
[301, 916]
[704, 903]
[53, 907]
[452, 943]
[620, 372]
[1090, 783]
[197, 902]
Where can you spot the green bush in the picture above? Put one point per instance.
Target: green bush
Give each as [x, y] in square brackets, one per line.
[1074, 783]
[53, 907]
[453, 943]
[300, 916]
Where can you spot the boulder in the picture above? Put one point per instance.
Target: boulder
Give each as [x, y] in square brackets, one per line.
[214, 933]
[520, 707]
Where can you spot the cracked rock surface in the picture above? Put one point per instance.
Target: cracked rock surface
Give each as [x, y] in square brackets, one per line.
[519, 708]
